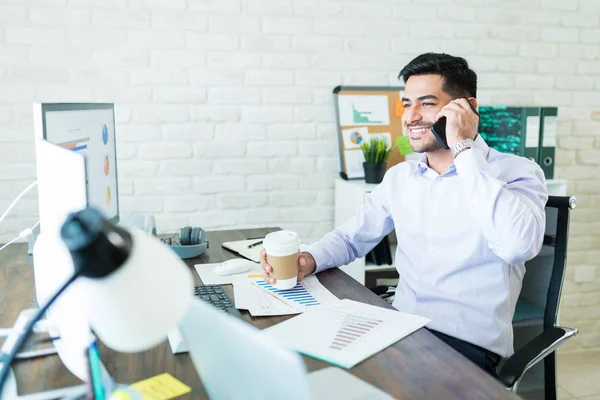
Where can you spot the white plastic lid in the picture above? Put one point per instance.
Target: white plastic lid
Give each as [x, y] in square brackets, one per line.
[282, 243]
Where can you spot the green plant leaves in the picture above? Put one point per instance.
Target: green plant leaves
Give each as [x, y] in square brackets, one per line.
[376, 150]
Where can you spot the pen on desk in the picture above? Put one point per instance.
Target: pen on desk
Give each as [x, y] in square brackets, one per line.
[254, 244]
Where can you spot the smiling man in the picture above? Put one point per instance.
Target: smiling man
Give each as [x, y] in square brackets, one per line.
[466, 219]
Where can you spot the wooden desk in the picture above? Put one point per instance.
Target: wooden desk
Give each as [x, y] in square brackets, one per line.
[417, 367]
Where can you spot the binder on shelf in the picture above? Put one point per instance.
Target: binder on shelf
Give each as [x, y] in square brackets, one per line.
[547, 141]
[509, 129]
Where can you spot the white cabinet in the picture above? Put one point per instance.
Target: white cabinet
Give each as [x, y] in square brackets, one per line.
[349, 195]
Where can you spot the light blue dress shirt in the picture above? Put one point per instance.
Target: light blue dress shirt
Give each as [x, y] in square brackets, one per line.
[463, 238]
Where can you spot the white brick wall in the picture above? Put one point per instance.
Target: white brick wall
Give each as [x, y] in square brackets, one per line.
[224, 107]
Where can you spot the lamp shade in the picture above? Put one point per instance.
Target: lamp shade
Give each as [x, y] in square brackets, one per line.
[136, 288]
[134, 307]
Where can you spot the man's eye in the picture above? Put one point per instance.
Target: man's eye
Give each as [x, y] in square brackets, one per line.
[428, 104]
[406, 105]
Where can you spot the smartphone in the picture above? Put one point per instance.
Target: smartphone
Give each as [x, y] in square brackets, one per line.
[439, 129]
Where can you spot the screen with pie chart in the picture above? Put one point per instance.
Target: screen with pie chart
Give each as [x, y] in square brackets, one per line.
[88, 128]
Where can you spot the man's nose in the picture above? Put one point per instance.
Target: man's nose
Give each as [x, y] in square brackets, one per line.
[412, 115]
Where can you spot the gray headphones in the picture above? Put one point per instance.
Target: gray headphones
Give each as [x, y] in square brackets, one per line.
[192, 242]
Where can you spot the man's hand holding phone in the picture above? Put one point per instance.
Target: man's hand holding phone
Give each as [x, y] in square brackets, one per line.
[306, 266]
[462, 120]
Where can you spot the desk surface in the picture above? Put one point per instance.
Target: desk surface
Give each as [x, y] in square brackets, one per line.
[417, 367]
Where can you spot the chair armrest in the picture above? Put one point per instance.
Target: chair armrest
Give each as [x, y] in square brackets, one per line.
[534, 351]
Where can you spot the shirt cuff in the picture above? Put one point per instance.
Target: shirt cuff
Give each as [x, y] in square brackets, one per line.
[318, 253]
[471, 162]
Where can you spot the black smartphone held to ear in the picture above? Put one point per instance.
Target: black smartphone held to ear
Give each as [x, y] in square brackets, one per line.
[439, 128]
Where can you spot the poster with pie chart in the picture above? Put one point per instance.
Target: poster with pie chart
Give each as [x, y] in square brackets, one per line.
[355, 137]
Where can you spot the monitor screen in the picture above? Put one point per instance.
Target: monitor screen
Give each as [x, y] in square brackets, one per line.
[88, 128]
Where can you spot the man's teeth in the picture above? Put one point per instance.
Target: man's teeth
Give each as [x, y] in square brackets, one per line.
[418, 130]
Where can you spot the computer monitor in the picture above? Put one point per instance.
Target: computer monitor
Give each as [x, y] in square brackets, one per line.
[89, 129]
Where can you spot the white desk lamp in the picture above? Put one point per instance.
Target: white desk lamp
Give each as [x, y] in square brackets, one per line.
[133, 291]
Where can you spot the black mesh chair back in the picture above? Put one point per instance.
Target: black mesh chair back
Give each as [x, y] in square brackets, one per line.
[538, 303]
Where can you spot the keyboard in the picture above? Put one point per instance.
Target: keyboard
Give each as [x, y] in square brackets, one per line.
[217, 297]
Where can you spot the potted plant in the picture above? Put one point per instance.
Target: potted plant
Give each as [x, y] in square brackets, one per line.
[376, 152]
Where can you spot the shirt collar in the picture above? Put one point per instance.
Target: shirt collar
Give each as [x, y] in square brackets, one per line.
[423, 165]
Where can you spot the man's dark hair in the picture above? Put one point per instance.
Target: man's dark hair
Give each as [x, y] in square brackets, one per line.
[459, 79]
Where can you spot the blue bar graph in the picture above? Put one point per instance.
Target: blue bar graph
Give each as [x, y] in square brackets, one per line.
[298, 294]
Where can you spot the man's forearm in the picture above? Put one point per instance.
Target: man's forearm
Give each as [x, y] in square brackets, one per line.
[332, 251]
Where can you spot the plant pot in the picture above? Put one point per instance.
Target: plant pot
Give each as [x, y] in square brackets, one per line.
[374, 172]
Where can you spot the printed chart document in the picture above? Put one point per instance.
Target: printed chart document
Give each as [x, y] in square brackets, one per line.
[363, 110]
[252, 293]
[258, 302]
[307, 294]
[346, 333]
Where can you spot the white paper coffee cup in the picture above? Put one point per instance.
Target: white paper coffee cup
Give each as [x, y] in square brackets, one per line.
[283, 250]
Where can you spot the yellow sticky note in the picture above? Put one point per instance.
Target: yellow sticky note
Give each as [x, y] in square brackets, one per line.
[161, 387]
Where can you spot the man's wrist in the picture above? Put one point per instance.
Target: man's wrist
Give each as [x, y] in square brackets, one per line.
[461, 146]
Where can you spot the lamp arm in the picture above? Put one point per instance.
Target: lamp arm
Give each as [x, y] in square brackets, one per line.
[6, 360]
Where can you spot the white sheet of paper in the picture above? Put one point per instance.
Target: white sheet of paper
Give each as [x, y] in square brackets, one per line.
[354, 163]
[346, 333]
[209, 277]
[309, 293]
[354, 138]
[363, 110]
[258, 302]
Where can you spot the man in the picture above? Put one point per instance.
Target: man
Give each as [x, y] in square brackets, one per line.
[466, 219]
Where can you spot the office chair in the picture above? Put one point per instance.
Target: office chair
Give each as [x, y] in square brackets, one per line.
[538, 301]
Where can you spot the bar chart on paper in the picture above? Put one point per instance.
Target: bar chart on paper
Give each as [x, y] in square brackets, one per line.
[308, 293]
[345, 333]
[298, 294]
[351, 329]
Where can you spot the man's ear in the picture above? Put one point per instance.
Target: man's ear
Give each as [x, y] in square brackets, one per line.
[473, 102]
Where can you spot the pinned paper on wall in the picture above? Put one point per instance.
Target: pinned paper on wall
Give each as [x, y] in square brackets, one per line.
[399, 109]
[403, 143]
[363, 110]
[354, 138]
[354, 163]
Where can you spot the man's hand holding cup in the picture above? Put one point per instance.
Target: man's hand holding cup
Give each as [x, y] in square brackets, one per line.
[282, 263]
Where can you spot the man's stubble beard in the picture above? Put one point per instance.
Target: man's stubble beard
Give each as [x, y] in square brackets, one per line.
[426, 145]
